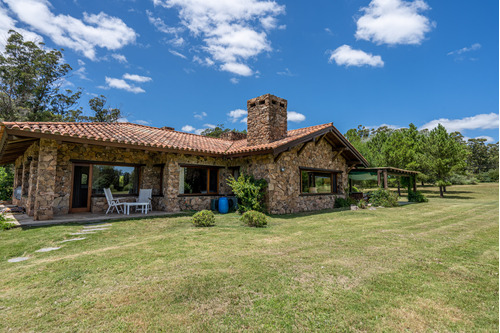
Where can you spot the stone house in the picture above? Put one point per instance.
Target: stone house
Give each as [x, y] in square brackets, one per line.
[62, 168]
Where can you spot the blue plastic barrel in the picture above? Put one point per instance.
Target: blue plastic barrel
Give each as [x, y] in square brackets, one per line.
[223, 205]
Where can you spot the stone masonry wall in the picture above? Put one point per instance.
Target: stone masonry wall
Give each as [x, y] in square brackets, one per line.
[46, 180]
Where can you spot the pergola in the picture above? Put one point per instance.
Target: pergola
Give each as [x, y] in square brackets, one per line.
[381, 174]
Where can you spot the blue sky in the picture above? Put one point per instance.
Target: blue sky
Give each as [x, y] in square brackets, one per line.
[191, 64]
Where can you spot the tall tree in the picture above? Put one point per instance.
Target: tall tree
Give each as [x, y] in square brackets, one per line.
[217, 131]
[103, 113]
[442, 154]
[30, 82]
[478, 157]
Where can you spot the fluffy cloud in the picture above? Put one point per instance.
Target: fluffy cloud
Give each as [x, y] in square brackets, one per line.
[295, 117]
[473, 47]
[488, 139]
[238, 114]
[119, 57]
[188, 128]
[136, 78]
[233, 31]
[82, 35]
[7, 23]
[122, 84]
[177, 54]
[346, 56]
[201, 115]
[480, 121]
[394, 22]
[142, 122]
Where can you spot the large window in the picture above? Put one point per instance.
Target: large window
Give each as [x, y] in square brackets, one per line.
[313, 181]
[198, 180]
[120, 179]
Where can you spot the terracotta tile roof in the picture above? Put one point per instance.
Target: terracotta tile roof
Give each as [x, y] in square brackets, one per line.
[241, 146]
[138, 136]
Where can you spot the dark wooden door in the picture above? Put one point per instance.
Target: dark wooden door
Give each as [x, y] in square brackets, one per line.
[80, 195]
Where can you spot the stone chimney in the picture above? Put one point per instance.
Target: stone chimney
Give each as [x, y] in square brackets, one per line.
[267, 119]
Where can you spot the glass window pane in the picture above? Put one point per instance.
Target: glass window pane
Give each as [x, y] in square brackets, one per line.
[120, 179]
[213, 180]
[305, 181]
[323, 182]
[195, 181]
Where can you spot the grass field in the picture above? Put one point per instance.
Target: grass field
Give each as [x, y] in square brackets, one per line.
[420, 267]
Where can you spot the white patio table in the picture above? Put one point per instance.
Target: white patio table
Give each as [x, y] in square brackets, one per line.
[143, 205]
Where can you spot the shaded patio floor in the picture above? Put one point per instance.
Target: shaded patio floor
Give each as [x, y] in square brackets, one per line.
[23, 220]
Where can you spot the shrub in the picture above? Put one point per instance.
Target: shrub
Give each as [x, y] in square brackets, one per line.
[6, 183]
[342, 203]
[253, 218]
[384, 198]
[4, 225]
[488, 176]
[416, 196]
[362, 204]
[463, 180]
[355, 189]
[249, 191]
[204, 218]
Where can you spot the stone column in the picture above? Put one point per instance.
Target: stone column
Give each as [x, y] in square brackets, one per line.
[32, 193]
[46, 180]
[25, 182]
[171, 187]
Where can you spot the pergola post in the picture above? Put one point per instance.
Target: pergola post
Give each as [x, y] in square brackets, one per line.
[385, 179]
[378, 178]
[414, 183]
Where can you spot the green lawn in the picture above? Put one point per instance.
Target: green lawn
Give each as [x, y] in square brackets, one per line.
[420, 267]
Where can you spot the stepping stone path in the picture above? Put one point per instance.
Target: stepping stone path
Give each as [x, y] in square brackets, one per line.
[72, 240]
[18, 259]
[90, 228]
[48, 249]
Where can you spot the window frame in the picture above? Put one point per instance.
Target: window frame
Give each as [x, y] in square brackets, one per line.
[333, 176]
[209, 169]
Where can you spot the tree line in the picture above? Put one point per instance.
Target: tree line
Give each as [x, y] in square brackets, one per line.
[442, 158]
[32, 80]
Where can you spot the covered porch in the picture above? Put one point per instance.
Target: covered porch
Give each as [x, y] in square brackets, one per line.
[382, 174]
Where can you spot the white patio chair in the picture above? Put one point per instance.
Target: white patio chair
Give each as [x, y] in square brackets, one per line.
[145, 196]
[112, 202]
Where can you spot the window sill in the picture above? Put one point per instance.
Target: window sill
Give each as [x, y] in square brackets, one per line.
[315, 194]
[201, 195]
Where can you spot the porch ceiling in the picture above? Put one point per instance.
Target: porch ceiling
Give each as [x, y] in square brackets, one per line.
[12, 146]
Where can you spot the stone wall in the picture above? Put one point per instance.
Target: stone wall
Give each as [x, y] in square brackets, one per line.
[49, 176]
[267, 119]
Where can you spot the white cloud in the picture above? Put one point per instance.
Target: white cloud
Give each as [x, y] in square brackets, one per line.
[346, 56]
[7, 23]
[234, 80]
[199, 130]
[286, 72]
[489, 139]
[161, 26]
[394, 22]
[209, 126]
[473, 47]
[177, 54]
[123, 120]
[232, 31]
[200, 116]
[295, 117]
[119, 57]
[136, 78]
[82, 73]
[237, 114]
[480, 121]
[142, 122]
[81, 62]
[188, 128]
[123, 85]
[94, 30]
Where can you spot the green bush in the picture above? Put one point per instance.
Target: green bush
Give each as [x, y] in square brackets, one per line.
[204, 218]
[249, 191]
[355, 189]
[342, 203]
[253, 218]
[384, 198]
[4, 225]
[463, 180]
[362, 204]
[416, 196]
[6, 182]
[488, 176]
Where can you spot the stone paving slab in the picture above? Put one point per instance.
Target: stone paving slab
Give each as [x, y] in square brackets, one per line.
[18, 259]
[94, 229]
[48, 249]
[82, 233]
[72, 239]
